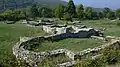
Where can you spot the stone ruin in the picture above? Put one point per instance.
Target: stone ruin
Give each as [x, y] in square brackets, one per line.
[38, 22]
[20, 50]
[32, 58]
[72, 31]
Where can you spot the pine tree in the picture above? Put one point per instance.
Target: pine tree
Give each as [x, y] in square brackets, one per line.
[71, 9]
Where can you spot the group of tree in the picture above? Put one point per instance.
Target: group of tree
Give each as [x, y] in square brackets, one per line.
[66, 12]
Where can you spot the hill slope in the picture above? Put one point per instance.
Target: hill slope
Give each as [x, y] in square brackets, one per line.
[11, 4]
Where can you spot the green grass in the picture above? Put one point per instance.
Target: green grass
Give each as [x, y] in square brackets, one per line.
[9, 35]
[116, 65]
[112, 28]
[73, 44]
[54, 60]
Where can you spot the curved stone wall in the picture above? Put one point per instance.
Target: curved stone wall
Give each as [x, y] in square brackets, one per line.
[21, 52]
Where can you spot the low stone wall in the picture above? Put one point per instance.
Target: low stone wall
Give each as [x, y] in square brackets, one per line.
[72, 31]
[21, 52]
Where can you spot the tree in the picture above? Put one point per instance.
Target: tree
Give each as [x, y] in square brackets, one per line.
[111, 15]
[34, 11]
[118, 13]
[7, 15]
[100, 14]
[67, 17]
[46, 12]
[106, 11]
[95, 15]
[71, 9]
[80, 12]
[88, 12]
[59, 11]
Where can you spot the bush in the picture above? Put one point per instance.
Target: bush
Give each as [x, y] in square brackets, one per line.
[111, 56]
[90, 63]
[118, 23]
[67, 17]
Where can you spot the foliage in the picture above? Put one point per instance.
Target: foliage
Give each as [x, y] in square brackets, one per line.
[71, 9]
[59, 11]
[80, 12]
[111, 56]
[89, 63]
[108, 13]
[118, 13]
[118, 23]
[46, 12]
[34, 11]
[67, 17]
[88, 12]
[54, 60]
[12, 15]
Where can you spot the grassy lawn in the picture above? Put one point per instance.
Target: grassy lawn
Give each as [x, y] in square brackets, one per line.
[9, 35]
[73, 44]
[111, 27]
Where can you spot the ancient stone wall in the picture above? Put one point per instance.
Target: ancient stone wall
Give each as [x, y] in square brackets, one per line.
[21, 52]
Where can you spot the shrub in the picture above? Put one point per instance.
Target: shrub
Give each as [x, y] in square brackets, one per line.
[118, 23]
[90, 63]
[67, 17]
[111, 56]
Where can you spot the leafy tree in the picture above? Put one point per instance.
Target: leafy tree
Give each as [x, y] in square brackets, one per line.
[67, 17]
[111, 15]
[106, 12]
[71, 9]
[46, 12]
[80, 12]
[88, 12]
[7, 15]
[12, 15]
[34, 11]
[118, 13]
[100, 14]
[95, 15]
[59, 11]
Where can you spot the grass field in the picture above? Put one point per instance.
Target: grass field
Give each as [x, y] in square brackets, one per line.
[111, 27]
[73, 44]
[9, 35]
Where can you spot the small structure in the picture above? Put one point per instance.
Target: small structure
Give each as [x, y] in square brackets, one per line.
[71, 31]
[46, 20]
[53, 29]
[24, 22]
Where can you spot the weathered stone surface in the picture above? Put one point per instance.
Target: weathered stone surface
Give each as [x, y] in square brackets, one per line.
[34, 57]
[20, 50]
[74, 32]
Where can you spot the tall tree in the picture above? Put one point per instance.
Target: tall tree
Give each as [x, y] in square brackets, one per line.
[88, 12]
[100, 14]
[95, 15]
[59, 11]
[71, 9]
[34, 11]
[80, 12]
[106, 11]
[46, 12]
[118, 13]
